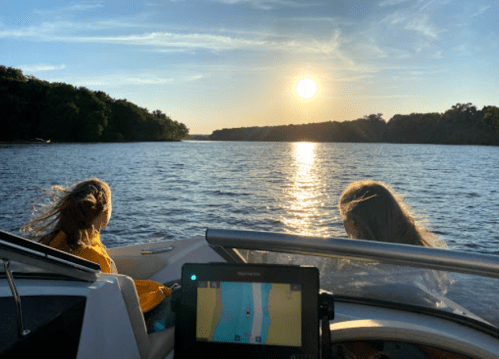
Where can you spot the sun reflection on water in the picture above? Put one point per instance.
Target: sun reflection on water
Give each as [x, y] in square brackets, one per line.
[304, 197]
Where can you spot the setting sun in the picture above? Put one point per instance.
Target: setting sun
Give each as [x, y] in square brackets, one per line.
[306, 88]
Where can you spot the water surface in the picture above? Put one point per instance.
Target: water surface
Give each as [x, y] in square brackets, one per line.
[177, 190]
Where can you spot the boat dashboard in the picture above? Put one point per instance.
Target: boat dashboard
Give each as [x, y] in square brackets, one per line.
[98, 315]
[216, 309]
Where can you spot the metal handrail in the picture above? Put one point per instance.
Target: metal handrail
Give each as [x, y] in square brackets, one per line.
[21, 332]
[391, 253]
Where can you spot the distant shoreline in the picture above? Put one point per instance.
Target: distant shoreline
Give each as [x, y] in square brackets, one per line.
[198, 138]
[256, 141]
[65, 113]
[49, 142]
[27, 142]
[463, 124]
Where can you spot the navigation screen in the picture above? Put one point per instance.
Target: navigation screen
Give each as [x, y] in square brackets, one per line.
[249, 313]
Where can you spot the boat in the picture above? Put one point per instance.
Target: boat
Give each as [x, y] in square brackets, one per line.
[57, 304]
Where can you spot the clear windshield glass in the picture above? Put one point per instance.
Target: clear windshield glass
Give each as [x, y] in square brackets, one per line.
[17, 267]
[472, 296]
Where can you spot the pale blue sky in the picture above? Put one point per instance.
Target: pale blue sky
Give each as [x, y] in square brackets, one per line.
[215, 64]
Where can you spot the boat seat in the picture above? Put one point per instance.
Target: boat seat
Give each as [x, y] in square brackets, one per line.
[151, 346]
[136, 267]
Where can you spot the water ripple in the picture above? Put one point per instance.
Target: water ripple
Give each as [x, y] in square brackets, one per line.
[177, 190]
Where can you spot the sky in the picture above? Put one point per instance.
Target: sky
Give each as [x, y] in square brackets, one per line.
[214, 64]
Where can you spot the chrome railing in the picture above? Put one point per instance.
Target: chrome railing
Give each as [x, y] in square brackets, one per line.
[224, 241]
[21, 332]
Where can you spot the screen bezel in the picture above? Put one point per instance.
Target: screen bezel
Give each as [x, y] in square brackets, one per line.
[186, 344]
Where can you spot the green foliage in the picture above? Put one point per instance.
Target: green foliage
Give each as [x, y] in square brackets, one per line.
[492, 116]
[378, 117]
[11, 73]
[362, 130]
[31, 108]
[460, 108]
[462, 124]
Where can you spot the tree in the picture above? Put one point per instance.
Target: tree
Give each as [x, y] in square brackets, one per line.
[462, 107]
[31, 108]
[373, 117]
[11, 73]
[91, 119]
[491, 115]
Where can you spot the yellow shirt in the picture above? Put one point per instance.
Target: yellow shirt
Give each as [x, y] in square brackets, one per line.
[150, 293]
[96, 252]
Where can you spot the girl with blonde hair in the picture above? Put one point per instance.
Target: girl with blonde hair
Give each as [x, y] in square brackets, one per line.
[373, 211]
[72, 221]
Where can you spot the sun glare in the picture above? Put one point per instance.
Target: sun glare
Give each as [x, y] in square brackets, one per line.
[306, 88]
[304, 204]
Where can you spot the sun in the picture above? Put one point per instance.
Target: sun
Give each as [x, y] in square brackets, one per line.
[306, 88]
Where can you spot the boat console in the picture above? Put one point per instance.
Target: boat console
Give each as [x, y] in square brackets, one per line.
[238, 307]
[228, 310]
[248, 311]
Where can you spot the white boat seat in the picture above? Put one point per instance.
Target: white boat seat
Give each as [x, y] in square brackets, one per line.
[151, 346]
[136, 267]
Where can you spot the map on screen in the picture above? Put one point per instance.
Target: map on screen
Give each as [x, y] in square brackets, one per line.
[249, 313]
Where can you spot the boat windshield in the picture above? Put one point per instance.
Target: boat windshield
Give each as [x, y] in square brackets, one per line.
[26, 257]
[21, 268]
[467, 295]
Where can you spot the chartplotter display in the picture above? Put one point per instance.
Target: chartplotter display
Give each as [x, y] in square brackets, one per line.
[249, 313]
[229, 310]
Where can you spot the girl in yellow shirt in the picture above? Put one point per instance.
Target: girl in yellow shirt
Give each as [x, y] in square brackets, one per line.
[72, 223]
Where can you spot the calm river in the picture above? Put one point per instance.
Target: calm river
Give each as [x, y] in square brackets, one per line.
[177, 190]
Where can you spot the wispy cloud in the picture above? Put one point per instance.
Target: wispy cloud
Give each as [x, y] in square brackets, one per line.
[176, 41]
[383, 97]
[338, 49]
[343, 48]
[358, 78]
[85, 6]
[267, 4]
[193, 78]
[423, 26]
[320, 20]
[365, 50]
[392, 2]
[413, 28]
[419, 22]
[47, 29]
[173, 41]
[481, 11]
[148, 81]
[437, 55]
[41, 67]
[113, 80]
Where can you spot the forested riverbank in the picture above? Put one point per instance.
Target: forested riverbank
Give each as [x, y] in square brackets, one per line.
[35, 110]
[461, 124]
[32, 109]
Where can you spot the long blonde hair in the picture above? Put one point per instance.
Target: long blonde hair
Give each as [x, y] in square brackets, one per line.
[380, 214]
[72, 210]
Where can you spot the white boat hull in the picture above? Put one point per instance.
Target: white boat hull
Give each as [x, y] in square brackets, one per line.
[113, 326]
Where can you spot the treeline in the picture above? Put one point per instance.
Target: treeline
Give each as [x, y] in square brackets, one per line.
[462, 124]
[198, 137]
[31, 108]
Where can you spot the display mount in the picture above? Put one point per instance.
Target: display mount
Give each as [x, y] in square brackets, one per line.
[247, 311]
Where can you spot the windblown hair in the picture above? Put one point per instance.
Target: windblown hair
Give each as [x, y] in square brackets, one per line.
[71, 210]
[381, 215]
